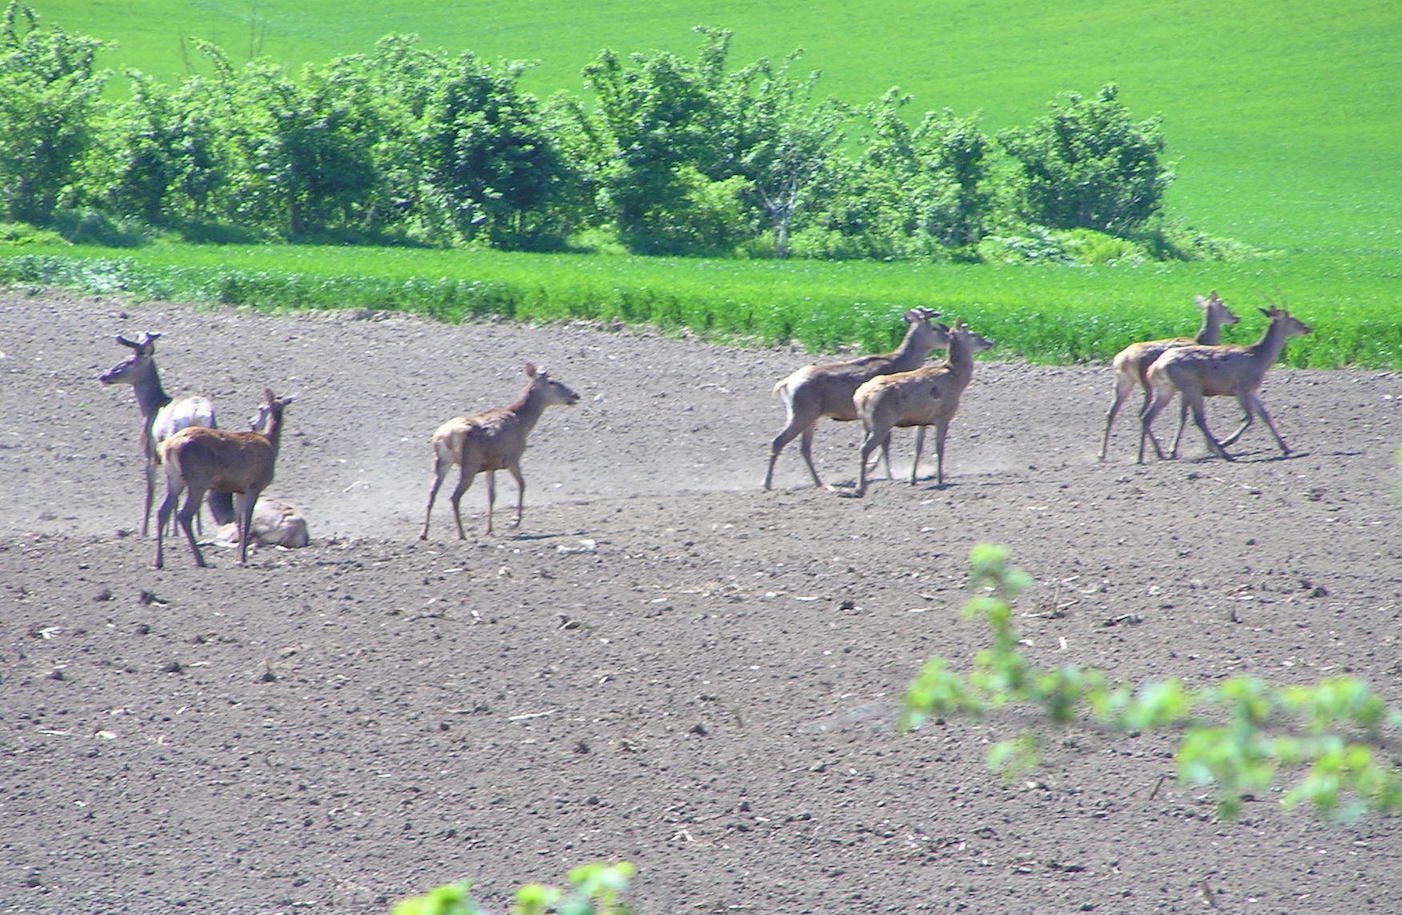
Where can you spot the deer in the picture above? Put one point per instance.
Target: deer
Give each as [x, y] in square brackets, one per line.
[493, 440]
[826, 389]
[274, 523]
[203, 460]
[1132, 363]
[161, 417]
[1218, 371]
[927, 396]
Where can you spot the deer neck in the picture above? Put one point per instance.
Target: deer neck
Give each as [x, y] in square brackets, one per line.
[960, 359]
[1210, 333]
[272, 431]
[1267, 349]
[528, 407]
[909, 354]
[150, 396]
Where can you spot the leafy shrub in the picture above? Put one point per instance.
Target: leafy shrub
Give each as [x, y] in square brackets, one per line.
[1086, 165]
[1239, 735]
[17, 234]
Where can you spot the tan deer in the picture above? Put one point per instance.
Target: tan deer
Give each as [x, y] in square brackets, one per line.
[161, 417]
[1218, 371]
[927, 396]
[490, 441]
[1132, 363]
[202, 460]
[826, 389]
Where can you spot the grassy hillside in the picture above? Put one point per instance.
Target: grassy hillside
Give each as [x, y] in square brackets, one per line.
[1282, 114]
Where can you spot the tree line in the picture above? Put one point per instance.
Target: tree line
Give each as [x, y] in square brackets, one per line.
[664, 155]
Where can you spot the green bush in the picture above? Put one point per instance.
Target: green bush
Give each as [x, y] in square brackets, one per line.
[1241, 735]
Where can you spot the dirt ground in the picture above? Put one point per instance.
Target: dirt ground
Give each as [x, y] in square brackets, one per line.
[665, 664]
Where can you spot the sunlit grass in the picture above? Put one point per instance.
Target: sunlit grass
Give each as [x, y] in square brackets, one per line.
[1047, 313]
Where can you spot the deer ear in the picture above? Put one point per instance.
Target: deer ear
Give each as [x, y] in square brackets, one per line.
[1264, 312]
[268, 395]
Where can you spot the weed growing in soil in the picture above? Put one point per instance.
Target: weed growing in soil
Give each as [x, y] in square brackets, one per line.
[594, 890]
[1240, 735]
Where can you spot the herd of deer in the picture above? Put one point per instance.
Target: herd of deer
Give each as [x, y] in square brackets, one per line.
[232, 469]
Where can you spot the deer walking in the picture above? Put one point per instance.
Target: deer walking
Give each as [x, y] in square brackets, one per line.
[211, 460]
[1132, 363]
[927, 396]
[1218, 371]
[490, 441]
[161, 417]
[826, 389]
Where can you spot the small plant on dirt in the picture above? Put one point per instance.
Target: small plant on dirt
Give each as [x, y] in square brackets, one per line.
[1242, 735]
[594, 890]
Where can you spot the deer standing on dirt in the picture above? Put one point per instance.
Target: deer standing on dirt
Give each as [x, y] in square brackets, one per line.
[927, 396]
[212, 460]
[161, 417]
[490, 441]
[1218, 371]
[1132, 363]
[826, 389]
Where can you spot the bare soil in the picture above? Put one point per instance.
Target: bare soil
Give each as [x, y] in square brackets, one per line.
[664, 664]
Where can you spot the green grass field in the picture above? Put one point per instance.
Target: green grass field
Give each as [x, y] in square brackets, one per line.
[1281, 116]
[1048, 314]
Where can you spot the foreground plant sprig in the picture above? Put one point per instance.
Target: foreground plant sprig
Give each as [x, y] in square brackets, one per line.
[1243, 735]
[594, 890]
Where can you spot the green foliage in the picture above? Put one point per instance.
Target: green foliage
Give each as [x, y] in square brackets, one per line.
[48, 94]
[676, 155]
[17, 234]
[1087, 165]
[1086, 314]
[593, 890]
[1243, 735]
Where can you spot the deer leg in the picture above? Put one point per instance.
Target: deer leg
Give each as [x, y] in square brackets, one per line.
[886, 455]
[1182, 424]
[1261, 409]
[1146, 426]
[941, 428]
[515, 471]
[1121, 392]
[464, 481]
[187, 511]
[243, 506]
[790, 432]
[919, 447]
[869, 444]
[1248, 416]
[173, 491]
[1200, 419]
[440, 470]
[805, 446]
[150, 497]
[491, 496]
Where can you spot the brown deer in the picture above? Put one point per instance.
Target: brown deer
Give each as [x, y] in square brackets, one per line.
[1132, 363]
[927, 396]
[203, 460]
[490, 441]
[1217, 371]
[161, 417]
[826, 389]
